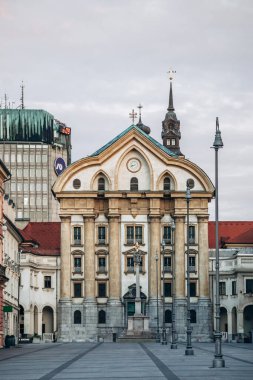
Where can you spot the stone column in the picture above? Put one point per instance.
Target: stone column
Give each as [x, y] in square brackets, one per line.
[115, 309]
[229, 320]
[64, 305]
[204, 328]
[27, 322]
[89, 277]
[203, 257]
[65, 289]
[40, 323]
[155, 248]
[180, 256]
[180, 280]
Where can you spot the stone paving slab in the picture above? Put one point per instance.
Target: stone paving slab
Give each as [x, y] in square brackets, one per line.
[124, 361]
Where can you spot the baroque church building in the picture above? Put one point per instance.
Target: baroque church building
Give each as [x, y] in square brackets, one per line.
[133, 190]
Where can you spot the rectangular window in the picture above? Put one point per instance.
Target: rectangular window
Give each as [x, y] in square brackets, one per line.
[193, 289]
[167, 234]
[101, 235]
[101, 264]
[134, 234]
[101, 289]
[38, 186]
[173, 142]
[130, 264]
[77, 264]
[47, 282]
[167, 289]
[130, 235]
[77, 235]
[249, 286]
[32, 186]
[77, 289]
[233, 288]
[192, 234]
[167, 263]
[192, 263]
[44, 158]
[38, 172]
[222, 288]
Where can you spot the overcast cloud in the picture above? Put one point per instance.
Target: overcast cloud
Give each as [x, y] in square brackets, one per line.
[90, 62]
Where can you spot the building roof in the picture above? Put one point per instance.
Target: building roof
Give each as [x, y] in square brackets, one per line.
[231, 232]
[162, 147]
[42, 238]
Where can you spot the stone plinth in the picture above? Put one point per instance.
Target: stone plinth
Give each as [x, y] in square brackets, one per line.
[137, 324]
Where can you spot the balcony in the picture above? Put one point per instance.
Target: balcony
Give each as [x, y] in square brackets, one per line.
[167, 269]
[77, 241]
[77, 269]
[101, 241]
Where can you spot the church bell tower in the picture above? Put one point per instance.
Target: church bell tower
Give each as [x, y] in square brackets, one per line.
[171, 125]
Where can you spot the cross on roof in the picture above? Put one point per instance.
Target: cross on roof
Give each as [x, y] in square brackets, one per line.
[171, 72]
[133, 115]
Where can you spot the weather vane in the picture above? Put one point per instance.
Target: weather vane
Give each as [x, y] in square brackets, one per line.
[171, 73]
[133, 115]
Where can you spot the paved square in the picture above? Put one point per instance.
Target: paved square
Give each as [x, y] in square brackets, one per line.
[123, 361]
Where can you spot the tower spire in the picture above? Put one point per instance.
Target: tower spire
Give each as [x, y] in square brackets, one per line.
[171, 125]
[171, 76]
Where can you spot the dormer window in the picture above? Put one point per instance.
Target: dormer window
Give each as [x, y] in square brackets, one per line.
[101, 184]
[166, 183]
[134, 184]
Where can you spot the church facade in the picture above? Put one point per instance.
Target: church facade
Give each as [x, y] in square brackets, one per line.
[131, 191]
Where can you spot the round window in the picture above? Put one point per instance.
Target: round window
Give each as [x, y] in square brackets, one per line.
[76, 183]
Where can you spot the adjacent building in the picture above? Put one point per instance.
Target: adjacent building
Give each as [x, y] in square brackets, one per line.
[39, 279]
[4, 176]
[236, 278]
[12, 238]
[36, 148]
[132, 190]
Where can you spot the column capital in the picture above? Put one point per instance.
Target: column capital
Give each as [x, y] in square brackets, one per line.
[155, 218]
[179, 218]
[114, 217]
[89, 218]
[65, 218]
[203, 218]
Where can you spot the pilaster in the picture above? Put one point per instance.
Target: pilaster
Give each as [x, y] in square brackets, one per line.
[65, 287]
[180, 257]
[203, 257]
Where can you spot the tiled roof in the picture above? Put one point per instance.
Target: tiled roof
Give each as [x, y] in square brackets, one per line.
[46, 236]
[231, 233]
[162, 147]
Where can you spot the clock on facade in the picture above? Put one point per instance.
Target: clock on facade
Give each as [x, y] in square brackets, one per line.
[133, 165]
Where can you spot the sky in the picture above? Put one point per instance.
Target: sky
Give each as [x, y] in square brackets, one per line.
[89, 63]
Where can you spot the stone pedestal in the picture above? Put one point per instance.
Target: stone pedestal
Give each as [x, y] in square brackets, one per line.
[137, 325]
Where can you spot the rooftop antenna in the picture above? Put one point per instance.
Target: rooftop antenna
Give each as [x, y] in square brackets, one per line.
[22, 106]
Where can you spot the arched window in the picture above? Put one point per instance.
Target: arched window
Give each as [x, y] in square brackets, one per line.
[101, 184]
[101, 316]
[168, 316]
[134, 184]
[166, 183]
[193, 316]
[77, 317]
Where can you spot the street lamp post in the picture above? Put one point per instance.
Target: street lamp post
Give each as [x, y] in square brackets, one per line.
[164, 337]
[218, 361]
[173, 335]
[157, 308]
[189, 349]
